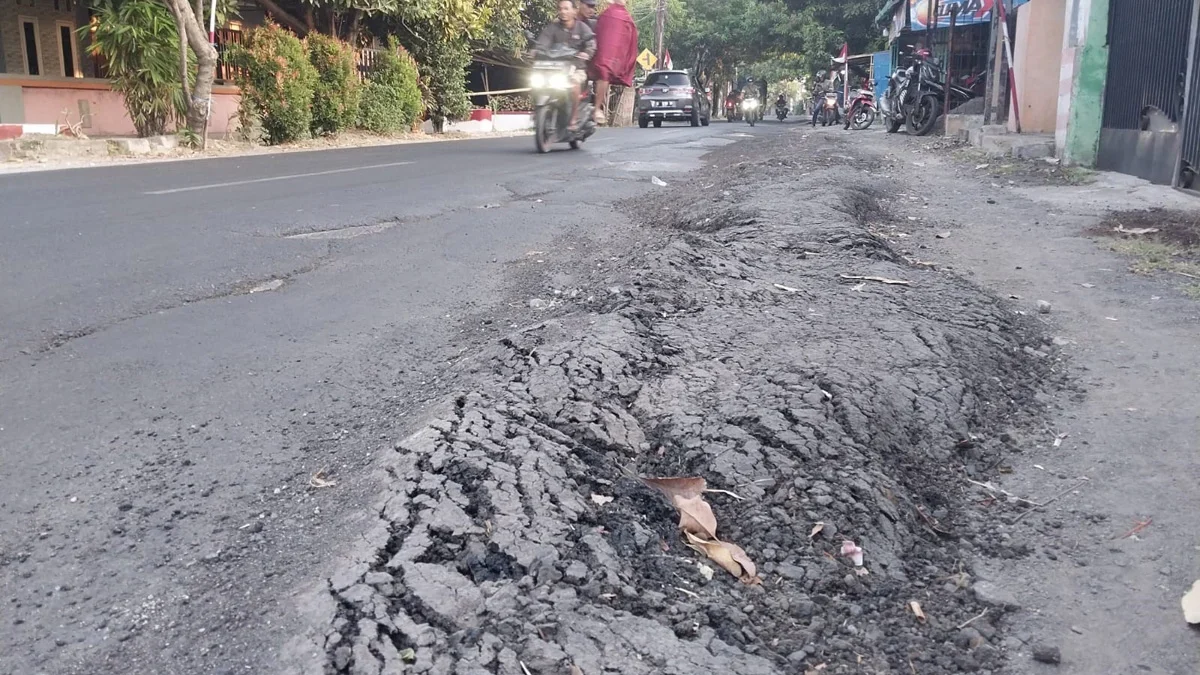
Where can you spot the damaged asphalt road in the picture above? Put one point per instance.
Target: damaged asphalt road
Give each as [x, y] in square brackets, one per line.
[481, 382]
[761, 349]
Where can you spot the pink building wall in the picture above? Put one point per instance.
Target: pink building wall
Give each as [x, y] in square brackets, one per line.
[1037, 51]
[45, 103]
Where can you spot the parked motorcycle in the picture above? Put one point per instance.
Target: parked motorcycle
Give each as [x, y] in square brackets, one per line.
[550, 87]
[927, 94]
[861, 113]
[892, 107]
[781, 111]
[750, 110]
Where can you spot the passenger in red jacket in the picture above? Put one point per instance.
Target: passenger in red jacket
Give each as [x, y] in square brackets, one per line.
[616, 54]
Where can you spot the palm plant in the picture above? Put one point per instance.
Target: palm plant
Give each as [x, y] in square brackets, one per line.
[139, 41]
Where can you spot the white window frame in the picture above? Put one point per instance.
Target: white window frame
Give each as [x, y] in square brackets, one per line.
[75, 70]
[37, 44]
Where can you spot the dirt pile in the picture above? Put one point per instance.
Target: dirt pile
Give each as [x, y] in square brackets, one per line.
[767, 350]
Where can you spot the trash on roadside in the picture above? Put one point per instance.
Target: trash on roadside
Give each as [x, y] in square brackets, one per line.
[1135, 230]
[1043, 307]
[658, 181]
[1141, 525]
[320, 480]
[1191, 604]
[705, 571]
[600, 500]
[816, 530]
[915, 607]
[789, 289]
[882, 280]
[1059, 439]
[853, 552]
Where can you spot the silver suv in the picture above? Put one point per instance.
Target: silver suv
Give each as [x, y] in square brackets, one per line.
[671, 96]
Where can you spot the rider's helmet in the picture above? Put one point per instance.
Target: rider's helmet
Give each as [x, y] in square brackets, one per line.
[821, 74]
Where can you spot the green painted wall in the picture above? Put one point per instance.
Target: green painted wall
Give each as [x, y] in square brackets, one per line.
[1087, 100]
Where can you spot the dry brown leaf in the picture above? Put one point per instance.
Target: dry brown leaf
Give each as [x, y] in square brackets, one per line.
[816, 530]
[601, 500]
[696, 516]
[815, 670]
[576, 670]
[916, 610]
[729, 557]
[678, 487]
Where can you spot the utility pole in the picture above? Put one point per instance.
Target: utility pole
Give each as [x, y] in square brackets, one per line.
[660, 23]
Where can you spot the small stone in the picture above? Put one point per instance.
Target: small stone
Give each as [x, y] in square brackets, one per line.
[1047, 654]
[576, 572]
[943, 235]
[538, 303]
[992, 595]
[797, 657]
[1043, 307]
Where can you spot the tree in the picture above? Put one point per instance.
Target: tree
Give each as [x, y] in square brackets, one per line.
[199, 105]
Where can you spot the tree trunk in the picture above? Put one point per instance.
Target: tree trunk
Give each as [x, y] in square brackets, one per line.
[623, 114]
[183, 52]
[310, 19]
[206, 67]
[355, 23]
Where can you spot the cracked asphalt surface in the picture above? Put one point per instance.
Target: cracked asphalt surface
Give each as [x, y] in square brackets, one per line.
[159, 422]
[485, 349]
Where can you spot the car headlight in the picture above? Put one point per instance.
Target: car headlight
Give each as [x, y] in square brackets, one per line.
[559, 81]
[537, 80]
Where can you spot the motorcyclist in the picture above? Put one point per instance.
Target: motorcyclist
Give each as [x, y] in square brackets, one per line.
[569, 31]
[781, 103]
[749, 91]
[819, 87]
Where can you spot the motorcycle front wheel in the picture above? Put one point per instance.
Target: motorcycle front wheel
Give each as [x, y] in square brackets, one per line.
[864, 119]
[923, 116]
[544, 122]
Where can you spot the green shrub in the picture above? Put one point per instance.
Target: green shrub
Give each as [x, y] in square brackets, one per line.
[277, 82]
[337, 90]
[391, 101]
[139, 42]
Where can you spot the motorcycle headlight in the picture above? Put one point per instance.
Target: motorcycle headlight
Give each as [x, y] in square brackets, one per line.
[749, 104]
[559, 81]
[537, 80]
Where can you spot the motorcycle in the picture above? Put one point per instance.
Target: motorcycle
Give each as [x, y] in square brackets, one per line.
[829, 110]
[861, 114]
[732, 112]
[781, 111]
[750, 110]
[926, 94]
[550, 88]
[893, 106]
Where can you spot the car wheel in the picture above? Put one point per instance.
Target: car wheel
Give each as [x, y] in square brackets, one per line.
[643, 122]
[695, 119]
[706, 121]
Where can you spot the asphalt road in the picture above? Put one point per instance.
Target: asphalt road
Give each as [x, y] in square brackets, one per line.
[159, 422]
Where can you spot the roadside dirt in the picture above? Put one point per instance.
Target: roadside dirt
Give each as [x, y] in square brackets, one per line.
[767, 348]
[1110, 557]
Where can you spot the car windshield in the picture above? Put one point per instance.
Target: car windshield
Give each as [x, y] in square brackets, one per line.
[667, 80]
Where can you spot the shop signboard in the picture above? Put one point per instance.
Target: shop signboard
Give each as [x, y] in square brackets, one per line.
[969, 12]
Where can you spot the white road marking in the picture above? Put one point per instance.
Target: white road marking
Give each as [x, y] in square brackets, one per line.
[251, 181]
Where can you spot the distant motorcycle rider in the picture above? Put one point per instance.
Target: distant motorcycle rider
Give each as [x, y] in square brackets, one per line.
[569, 31]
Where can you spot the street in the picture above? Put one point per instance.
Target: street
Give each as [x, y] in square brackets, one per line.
[151, 405]
[401, 409]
